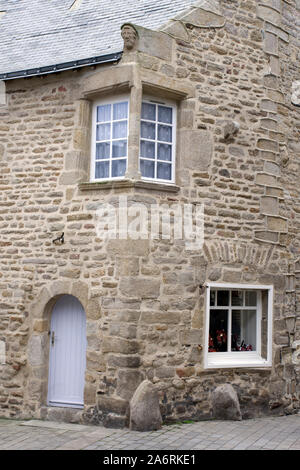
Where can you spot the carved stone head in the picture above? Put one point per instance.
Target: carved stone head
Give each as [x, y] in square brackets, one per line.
[130, 37]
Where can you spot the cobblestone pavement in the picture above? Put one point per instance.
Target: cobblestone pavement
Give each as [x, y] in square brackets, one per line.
[279, 433]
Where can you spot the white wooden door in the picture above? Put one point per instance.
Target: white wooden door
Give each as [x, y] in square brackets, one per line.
[67, 360]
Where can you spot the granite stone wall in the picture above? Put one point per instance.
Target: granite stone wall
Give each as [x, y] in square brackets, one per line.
[144, 299]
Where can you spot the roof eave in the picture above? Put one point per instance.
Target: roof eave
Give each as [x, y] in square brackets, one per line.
[62, 67]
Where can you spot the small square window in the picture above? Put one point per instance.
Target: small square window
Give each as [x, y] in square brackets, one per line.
[239, 326]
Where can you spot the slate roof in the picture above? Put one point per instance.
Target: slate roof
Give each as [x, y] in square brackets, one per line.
[39, 33]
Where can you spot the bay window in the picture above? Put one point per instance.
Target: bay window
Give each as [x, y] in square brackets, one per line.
[112, 153]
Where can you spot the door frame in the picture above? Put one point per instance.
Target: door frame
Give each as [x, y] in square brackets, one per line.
[53, 360]
[39, 343]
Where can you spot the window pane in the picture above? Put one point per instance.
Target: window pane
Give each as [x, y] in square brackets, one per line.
[102, 150]
[119, 148]
[164, 171]
[165, 114]
[118, 168]
[147, 149]
[103, 132]
[212, 297]
[218, 331]
[104, 113]
[250, 298]
[119, 129]
[164, 133]
[120, 110]
[148, 111]
[102, 170]
[223, 298]
[249, 329]
[164, 152]
[237, 298]
[243, 330]
[147, 130]
[147, 168]
[236, 330]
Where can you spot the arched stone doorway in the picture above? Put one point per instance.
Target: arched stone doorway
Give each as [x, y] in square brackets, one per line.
[39, 347]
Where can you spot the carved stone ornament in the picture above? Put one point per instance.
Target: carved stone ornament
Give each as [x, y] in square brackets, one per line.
[295, 99]
[130, 37]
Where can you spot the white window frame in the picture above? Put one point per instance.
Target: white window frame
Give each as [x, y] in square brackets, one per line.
[169, 104]
[234, 359]
[111, 101]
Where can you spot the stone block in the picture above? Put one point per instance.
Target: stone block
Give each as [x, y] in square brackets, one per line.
[128, 247]
[277, 224]
[267, 236]
[275, 95]
[144, 408]
[154, 43]
[116, 405]
[160, 317]
[271, 43]
[37, 349]
[269, 14]
[128, 266]
[123, 330]
[93, 309]
[269, 205]
[202, 17]
[196, 149]
[89, 394]
[187, 371]
[274, 64]
[119, 345]
[69, 178]
[268, 144]
[126, 361]
[164, 372]
[144, 288]
[114, 421]
[268, 105]
[266, 180]
[127, 382]
[177, 30]
[188, 337]
[225, 403]
[270, 124]
[41, 326]
[272, 167]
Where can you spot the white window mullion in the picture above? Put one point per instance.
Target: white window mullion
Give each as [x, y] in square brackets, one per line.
[229, 331]
[111, 141]
[156, 141]
[258, 323]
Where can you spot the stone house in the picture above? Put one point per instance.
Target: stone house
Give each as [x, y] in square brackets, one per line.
[197, 108]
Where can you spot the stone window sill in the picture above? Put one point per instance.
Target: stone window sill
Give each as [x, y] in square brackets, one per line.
[119, 184]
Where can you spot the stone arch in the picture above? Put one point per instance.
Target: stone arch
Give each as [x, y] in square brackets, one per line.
[49, 295]
[39, 339]
[222, 251]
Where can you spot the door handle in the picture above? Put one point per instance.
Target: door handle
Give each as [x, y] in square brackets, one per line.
[52, 338]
